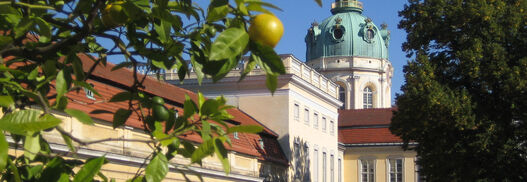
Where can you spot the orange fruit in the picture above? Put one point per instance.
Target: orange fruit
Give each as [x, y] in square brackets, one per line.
[114, 15]
[266, 29]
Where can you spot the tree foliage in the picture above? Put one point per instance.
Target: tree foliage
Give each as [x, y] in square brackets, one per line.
[40, 42]
[465, 97]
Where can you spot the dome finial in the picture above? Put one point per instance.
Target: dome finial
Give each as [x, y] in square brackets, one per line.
[346, 5]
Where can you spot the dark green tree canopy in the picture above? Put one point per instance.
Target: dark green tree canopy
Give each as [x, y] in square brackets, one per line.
[465, 97]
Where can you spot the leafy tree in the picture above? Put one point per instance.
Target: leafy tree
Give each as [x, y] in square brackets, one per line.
[39, 46]
[465, 97]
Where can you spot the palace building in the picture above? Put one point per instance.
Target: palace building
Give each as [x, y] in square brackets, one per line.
[331, 112]
[327, 121]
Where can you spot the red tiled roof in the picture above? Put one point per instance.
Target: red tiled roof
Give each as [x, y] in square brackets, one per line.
[247, 143]
[108, 83]
[367, 135]
[155, 87]
[364, 117]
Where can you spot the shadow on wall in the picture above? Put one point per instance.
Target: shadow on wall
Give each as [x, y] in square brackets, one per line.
[300, 162]
[270, 171]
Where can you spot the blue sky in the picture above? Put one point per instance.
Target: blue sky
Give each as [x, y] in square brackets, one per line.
[297, 16]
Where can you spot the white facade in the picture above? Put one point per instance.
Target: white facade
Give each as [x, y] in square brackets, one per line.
[354, 75]
[303, 112]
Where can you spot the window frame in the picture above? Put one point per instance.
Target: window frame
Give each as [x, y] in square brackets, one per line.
[306, 115]
[324, 166]
[315, 165]
[324, 123]
[342, 96]
[373, 166]
[389, 169]
[332, 127]
[315, 119]
[367, 97]
[296, 111]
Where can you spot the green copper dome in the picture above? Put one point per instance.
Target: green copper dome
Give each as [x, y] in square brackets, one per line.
[347, 33]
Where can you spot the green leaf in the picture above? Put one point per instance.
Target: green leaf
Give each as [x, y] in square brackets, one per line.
[269, 57]
[271, 82]
[160, 135]
[245, 129]
[261, 3]
[209, 107]
[157, 169]
[123, 96]
[4, 147]
[189, 107]
[205, 130]
[80, 115]
[204, 149]
[33, 74]
[44, 30]
[120, 117]
[163, 30]
[319, 2]
[222, 154]
[68, 142]
[171, 120]
[32, 145]
[90, 169]
[218, 9]
[101, 111]
[64, 177]
[188, 149]
[77, 67]
[61, 85]
[241, 7]
[197, 67]
[14, 170]
[122, 65]
[62, 103]
[24, 121]
[230, 43]
[5, 40]
[201, 99]
[85, 85]
[250, 66]
[6, 101]
[23, 27]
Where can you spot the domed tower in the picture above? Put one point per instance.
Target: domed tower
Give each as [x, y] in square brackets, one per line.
[351, 50]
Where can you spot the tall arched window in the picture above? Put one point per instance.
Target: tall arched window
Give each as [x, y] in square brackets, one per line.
[342, 96]
[367, 98]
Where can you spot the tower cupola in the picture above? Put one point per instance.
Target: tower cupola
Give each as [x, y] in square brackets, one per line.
[346, 33]
[352, 51]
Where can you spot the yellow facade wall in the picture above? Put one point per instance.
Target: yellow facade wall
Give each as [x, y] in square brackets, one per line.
[242, 166]
[380, 155]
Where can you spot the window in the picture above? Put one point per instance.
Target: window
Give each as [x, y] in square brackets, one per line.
[418, 175]
[296, 111]
[261, 143]
[370, 34]
[306, 115]
[324, 167]
[332, 168]
[89, 93]
[235, 135]
[368, 98]
[315, 165]
[340, 170]
[324, 124]
[367, 170]
[396, 170]
[342, 97]
[315, 120]
[332, 127]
